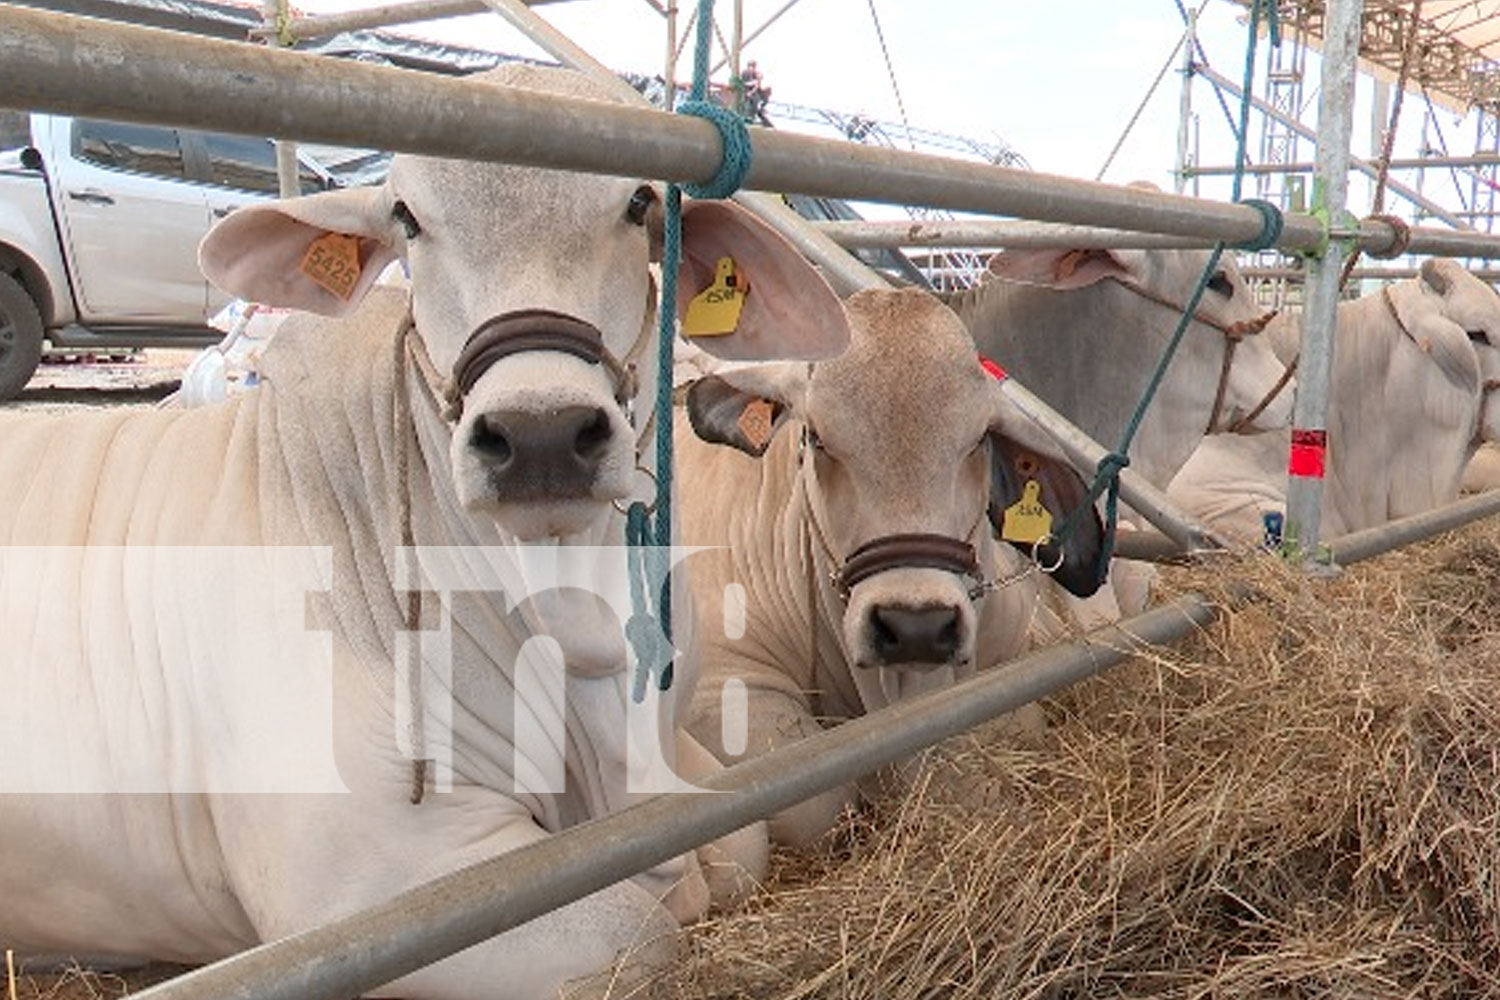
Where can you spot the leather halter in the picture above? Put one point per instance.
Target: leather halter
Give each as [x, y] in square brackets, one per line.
[911, 550]
[1233, 334]
[515, 332]
[906, 551]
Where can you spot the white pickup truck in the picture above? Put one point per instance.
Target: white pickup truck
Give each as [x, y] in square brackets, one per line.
[99, 230]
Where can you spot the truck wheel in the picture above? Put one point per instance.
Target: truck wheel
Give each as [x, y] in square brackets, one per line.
[20, 337]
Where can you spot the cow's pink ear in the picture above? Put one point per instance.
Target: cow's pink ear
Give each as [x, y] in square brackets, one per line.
[790, 313]
[261, 252]
[1059, 269]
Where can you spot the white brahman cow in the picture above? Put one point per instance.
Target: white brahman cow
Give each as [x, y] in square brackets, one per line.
[1085, 329]
[855, 501]
[1409, 403]
[200, 758]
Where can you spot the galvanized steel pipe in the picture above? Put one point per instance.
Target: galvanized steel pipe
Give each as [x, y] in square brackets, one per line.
[1382, 538]
[74, 65]
[997, 233]
[1304, 492]
[448, 914]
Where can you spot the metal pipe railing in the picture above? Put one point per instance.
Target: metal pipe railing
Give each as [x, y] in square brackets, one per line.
[323, 25]
[444, 916]
[997, 233]
[1371, 234]
[1360, 545]
[74, 65]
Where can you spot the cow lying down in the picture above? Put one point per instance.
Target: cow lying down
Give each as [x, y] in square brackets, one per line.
[855, 503]
[212, 700]
[1409, 404]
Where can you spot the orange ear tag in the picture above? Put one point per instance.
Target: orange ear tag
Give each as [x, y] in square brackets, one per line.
[1027, 521]
[332, 261]
[715, 311]
[757, 421]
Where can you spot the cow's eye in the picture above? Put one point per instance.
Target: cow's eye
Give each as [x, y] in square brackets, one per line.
[1479, 337]
[402, 214]
[640, 204]
[1220, 283]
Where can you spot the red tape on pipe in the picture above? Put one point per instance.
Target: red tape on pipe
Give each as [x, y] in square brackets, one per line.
[1309, 448]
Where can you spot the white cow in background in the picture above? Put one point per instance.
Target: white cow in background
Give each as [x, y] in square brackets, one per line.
[1409, 403]
[855, 501]
[120, 658]
[1085, 329]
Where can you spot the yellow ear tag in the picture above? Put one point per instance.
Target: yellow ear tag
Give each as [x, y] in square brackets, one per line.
[332, 261]
[1027, 521]
[715, 311]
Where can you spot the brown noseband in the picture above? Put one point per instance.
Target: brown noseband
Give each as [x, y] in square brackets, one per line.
[911, 551]
[525, 330]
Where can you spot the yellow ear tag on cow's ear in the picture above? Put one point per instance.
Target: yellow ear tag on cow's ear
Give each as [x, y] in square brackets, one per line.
[715, 311]
[332, 261]
[1027, 521]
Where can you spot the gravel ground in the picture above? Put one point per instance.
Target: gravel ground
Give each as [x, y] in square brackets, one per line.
[142, 379]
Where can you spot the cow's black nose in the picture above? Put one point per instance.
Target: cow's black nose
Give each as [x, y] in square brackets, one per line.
[537, 455]
[914, 635]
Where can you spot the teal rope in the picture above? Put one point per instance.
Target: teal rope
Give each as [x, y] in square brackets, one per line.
[649, 540]
[1106, 480]
[734, 138]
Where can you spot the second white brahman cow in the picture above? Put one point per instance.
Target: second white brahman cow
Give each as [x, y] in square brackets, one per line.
[854, 505]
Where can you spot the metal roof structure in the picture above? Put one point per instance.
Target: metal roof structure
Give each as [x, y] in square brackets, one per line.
[1455, 44]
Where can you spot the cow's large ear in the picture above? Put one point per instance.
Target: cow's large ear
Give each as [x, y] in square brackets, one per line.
[1060, 269]
[1021, 456]
[790, 312]
[1423, 306]
[746, 415]
[260, 253]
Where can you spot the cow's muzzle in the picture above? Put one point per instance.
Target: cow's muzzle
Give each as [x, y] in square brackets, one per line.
[537, 330]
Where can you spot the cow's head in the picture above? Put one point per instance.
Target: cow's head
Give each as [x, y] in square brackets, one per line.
[532, 295]
[1156, 286]
[1453, 319]
[911, 452]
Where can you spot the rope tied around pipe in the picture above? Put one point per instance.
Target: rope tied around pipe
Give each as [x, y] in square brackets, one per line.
[1271, 224]
[1400, 236]
[734, 138]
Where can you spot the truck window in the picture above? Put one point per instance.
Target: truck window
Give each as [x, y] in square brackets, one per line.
[15, 129]
[249, 163]
[139, 149]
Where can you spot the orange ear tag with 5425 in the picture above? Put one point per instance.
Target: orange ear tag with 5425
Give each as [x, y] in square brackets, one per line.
[332, 261]
[715, 311]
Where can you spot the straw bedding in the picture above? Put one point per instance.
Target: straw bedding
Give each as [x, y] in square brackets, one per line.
[1300, 802]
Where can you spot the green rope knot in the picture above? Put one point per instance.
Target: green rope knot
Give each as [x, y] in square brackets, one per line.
[734, 138]
[1271, 224]
[650, 637]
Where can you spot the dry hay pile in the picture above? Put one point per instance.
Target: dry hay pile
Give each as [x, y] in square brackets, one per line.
[1301, 802]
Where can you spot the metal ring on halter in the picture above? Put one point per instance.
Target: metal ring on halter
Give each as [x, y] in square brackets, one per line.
[1036, 549]
[651, 504]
